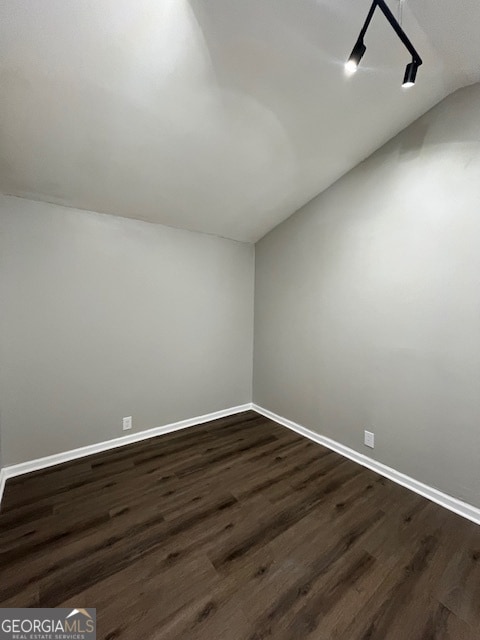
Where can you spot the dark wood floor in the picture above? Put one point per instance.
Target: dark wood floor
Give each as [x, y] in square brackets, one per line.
[238, 530]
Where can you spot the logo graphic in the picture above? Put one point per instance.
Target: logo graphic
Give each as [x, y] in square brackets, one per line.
[48, 624]
[82, 611]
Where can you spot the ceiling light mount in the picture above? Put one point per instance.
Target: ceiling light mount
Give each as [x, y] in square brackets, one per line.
[360, 48]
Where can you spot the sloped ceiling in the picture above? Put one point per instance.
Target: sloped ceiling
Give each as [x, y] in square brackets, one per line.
[220, 116]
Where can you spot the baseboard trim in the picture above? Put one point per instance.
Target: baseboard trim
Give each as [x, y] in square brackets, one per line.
[3, 479]
[14, 470]
[448, 502]
[464, 509]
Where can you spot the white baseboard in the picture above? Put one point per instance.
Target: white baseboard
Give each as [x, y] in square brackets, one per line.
[58, 458]
[3, 479]
[452, 504]
[464, 509]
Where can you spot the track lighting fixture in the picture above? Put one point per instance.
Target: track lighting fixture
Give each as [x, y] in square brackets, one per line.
[360, 48]
[355, 57]
[410, 74]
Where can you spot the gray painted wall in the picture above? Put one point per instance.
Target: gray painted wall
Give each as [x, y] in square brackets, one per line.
[103, 317]
[367, 302]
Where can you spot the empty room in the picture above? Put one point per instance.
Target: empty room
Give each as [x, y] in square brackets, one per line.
[239, 320]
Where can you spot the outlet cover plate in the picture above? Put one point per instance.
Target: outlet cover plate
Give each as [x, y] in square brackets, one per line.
[127, 423]
[369, 439]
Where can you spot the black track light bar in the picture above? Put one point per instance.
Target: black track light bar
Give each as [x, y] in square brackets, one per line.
[360, 48]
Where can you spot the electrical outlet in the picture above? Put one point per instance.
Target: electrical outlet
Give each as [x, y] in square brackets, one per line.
[127, 423]
[369, 439]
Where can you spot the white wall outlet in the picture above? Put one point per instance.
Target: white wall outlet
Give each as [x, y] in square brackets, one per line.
[369, 439]
[127, 423]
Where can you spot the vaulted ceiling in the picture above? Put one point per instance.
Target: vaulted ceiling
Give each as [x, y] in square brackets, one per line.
[221, 116]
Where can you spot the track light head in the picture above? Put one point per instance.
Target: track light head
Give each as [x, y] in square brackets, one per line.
[410, 74]
[357, 54]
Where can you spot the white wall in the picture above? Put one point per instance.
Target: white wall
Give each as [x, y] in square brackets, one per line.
[103, 317]
[368, 304]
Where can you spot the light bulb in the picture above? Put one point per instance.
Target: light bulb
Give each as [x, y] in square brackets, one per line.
[351, 66]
